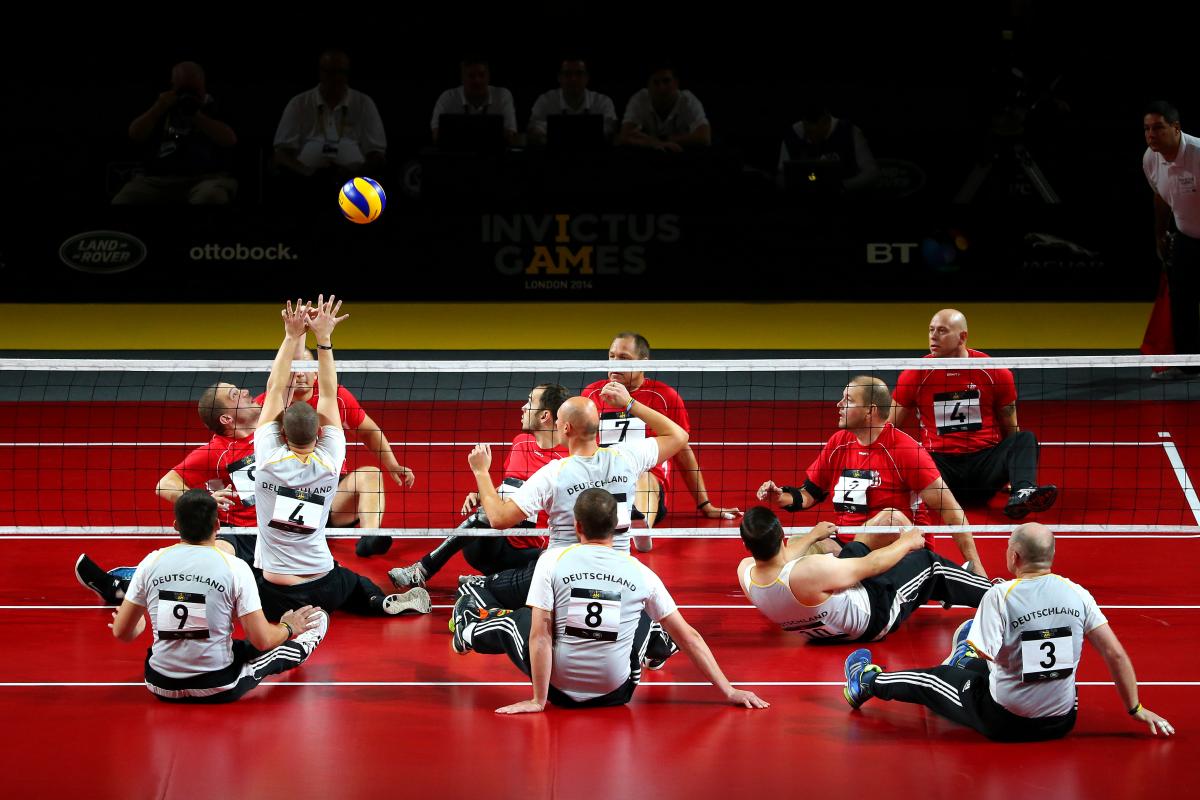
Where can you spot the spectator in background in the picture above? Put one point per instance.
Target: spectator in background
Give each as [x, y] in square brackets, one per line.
[476, 95]
[331, 129]
[664, 118]
[820, 136]
[571, 97]
[186, 146]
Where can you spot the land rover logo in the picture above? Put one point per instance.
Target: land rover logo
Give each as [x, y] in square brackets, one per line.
[103, 252]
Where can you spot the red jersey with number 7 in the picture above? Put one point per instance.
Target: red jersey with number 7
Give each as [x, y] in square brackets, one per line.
[616, 426]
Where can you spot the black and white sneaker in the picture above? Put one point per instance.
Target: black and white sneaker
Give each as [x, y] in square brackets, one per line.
[92, 576]
[1034, 498]
[464, 616]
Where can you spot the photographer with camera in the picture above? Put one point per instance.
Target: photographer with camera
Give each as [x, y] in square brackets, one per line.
[186, 147]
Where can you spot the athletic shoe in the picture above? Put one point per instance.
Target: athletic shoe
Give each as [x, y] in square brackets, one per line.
[858, 665]
[465, 614]
[1035, 498]
[960, 648]
[368, 546]
[92, 576]
[644, 544]
[664, 638]
[405, 577]
[413, 600]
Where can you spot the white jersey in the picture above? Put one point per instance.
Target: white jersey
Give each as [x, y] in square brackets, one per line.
[554, 487]
[293, 496]
[193, 593]
[1033, 630]
[597, 596]
[845, 615]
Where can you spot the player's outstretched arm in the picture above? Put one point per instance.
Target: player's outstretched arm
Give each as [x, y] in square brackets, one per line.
[1121, 669]
[541, 661]
[322, 324]
[691, 642]
[938, 497]
[295, 320]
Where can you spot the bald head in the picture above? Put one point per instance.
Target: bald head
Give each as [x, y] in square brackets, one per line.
[581, 415]
[1034, 544]
[948, 334]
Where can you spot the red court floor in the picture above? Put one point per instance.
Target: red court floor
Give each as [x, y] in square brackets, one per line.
[384, 706]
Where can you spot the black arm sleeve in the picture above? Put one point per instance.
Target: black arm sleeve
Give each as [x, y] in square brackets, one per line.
[815, 492]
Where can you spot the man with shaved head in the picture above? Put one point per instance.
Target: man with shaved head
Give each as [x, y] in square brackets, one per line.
[555, 487]
[968, 421]
[1011, 671]
[187, 146]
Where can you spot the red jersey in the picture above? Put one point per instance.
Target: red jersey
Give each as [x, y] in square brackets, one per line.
[959, 410]
[232, 461]
[524, 459]
[616, 426]
[349, 409]
[888, 473]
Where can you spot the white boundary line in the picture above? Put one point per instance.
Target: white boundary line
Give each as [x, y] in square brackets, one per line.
[36, 684]
[1181, 475]
[65, 532]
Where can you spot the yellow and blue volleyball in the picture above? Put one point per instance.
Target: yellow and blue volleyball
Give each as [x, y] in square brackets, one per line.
[362, 200]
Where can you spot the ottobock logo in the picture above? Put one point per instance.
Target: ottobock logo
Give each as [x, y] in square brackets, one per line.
[241, 252]
[102, 252]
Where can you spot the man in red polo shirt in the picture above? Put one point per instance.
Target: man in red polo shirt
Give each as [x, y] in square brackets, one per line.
[224, 465]
[618, 426]
[969, 424]
[877, 475]
[360, 497]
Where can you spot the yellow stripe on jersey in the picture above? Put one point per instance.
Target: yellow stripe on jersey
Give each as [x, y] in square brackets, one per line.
[1008, 591]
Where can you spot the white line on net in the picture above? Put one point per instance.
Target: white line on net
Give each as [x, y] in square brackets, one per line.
[1101, 531]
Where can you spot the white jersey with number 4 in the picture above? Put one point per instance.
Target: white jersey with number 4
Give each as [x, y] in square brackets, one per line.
[292, 496]
[597, 596]
[1033, 630]
[193, 593]
[555, 487]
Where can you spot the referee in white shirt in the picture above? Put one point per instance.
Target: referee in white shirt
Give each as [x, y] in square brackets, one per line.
[193, 591]
[1011, 672]
[583, 635]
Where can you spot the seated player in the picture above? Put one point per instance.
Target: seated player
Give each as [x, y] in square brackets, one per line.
[582, 636]
[538, 445]
[869, 467]
[299, 459]
[1011, 671]
[618, 426]
[360, 499]
[859, 594]
[225, 464]
[969, 424]
[194, 593]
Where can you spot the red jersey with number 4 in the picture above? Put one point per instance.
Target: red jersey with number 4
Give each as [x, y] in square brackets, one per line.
[959, 410]
[232, 462]
[524, 459]
[862, 480]
[349, 409]
[616, 426]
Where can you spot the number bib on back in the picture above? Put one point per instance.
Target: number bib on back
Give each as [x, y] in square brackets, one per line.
[242, 475]
[182, 615]
[1047, 655]
[296, 511]
[955, 412]
[850, 493]
[594, 614]
[617, 427]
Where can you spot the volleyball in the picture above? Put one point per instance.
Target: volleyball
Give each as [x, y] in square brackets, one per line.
[362, 200]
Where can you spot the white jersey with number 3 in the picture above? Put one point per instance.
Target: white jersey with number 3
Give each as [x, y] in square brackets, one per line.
[1033, 630]
[293, 495]
[597, 596]
[193, 593]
